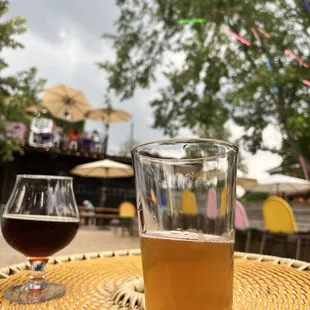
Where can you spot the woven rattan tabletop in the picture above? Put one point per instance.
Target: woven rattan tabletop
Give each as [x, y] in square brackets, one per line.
[112, 280]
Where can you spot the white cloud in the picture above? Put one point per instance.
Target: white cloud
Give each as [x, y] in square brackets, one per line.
[63, 34]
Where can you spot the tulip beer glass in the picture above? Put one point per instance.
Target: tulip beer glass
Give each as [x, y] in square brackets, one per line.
[40, 218]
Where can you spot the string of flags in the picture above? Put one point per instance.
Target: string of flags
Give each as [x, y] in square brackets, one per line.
[257, 32]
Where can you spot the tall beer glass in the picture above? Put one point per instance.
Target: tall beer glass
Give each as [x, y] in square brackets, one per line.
[186, 206]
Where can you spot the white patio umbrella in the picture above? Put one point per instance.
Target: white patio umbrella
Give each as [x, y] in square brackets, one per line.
[279, 183]
[103, 169]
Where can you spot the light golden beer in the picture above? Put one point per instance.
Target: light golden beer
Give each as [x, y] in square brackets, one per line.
[182, 274]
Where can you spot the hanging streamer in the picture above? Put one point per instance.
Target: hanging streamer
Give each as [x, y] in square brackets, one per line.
[256, 35]
[303, 166]
[222, 12]
[236, 36]
[190, 21]
[307, 6]
[293, 55]
[275, 88]
[264, 33]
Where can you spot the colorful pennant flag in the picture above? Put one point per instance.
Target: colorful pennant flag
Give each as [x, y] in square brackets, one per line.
[293, 55]
[236, 36]
[307, 6]
[190, 21]
[304, 168]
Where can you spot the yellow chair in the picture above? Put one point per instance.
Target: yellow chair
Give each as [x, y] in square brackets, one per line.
[224, 202]
[189, 203]
[279, 216]
[279, 219]
[127, 214]
[153, 197]
[127, 210]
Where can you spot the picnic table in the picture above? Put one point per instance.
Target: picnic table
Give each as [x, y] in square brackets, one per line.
[113, 280]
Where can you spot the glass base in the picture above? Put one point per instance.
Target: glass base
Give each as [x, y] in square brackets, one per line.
[23, 294]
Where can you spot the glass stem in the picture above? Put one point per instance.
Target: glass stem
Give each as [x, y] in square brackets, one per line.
[37, 275]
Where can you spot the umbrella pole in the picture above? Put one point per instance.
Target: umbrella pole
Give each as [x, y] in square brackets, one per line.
[106, 139]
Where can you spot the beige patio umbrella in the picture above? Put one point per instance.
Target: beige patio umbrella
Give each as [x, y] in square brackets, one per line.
[103, 169]
[246, 182]
[66, 103]
[279, 183]
[108, 115]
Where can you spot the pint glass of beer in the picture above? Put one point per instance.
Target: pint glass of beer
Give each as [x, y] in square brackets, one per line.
[40, 218]
[186, 206]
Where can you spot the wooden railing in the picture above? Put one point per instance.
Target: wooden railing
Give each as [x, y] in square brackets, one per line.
[301, 213]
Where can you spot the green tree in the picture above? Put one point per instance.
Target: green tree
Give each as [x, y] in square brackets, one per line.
[221, 132]
[17, 92]
[292, 165]
[220, 77]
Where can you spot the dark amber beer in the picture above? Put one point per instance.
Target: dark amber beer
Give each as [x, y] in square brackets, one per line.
[36, 235]
[183, 274]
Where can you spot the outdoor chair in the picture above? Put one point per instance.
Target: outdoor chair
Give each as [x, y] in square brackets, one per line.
[242, 224]
[280, 223]
[190, 212]
[189, 204]
[224, 202]
[127, 215]
[97, 148]
[57, 136]
[211, 204]
[74, 136]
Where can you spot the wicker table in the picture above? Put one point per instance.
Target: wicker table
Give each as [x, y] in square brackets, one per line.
[112, 280]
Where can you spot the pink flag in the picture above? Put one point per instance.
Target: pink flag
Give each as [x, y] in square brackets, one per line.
[292, 54]
[236, 36]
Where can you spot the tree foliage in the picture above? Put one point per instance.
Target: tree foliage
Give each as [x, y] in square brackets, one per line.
[221, 132]
[220, 77]
[17, 92]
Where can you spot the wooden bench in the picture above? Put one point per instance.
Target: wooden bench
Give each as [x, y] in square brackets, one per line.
[106, 210]
[99, 216]
[101, 213]
[84, 209]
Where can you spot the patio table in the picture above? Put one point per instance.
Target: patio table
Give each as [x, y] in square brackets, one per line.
[112, 280]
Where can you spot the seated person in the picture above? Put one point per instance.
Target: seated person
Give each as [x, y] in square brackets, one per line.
[89, 207]
[96, 137]
[74, 134]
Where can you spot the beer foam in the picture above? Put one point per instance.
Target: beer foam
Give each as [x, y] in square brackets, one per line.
[42, 218]
[187, 236]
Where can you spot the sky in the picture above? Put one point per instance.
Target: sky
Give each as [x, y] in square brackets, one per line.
[64, 42]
